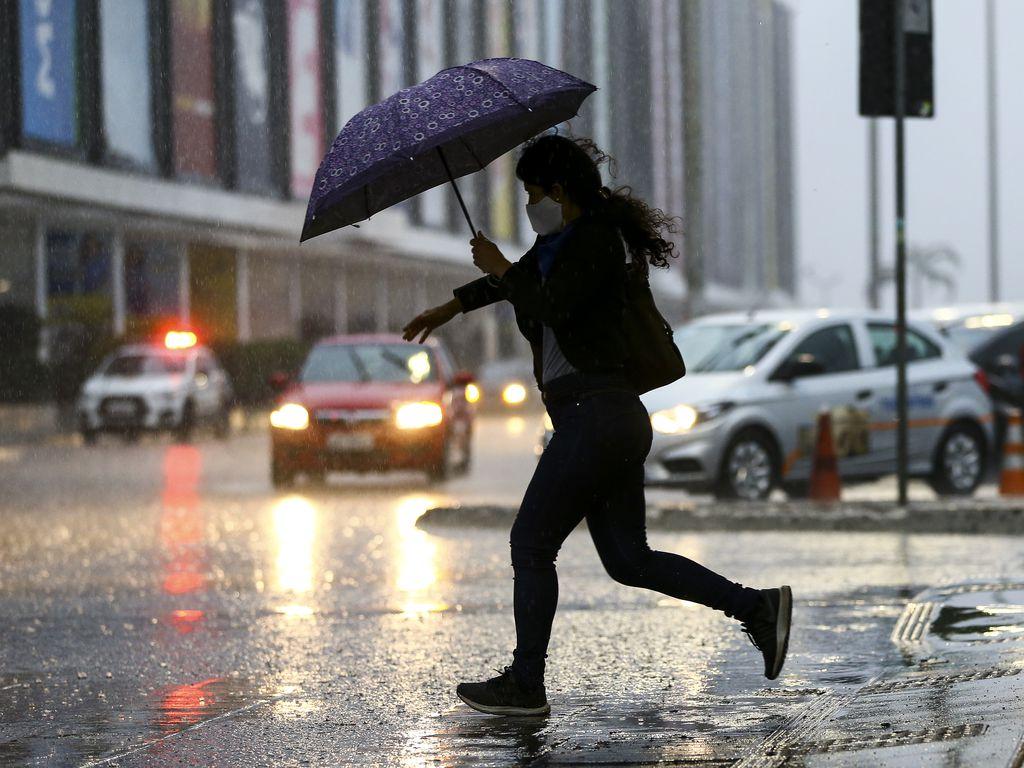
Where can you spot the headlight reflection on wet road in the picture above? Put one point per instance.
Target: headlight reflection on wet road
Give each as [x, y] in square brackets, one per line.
[295, 532]
[417, 558]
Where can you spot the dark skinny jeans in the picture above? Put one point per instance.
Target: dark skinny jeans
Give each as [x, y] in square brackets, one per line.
[593, 468]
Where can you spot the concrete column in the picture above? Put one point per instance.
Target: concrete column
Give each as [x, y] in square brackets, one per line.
[184, 300]
[42, 298]
[243, 302]
[381, 306]
[117, 283]
[295, 296]
[341, 302]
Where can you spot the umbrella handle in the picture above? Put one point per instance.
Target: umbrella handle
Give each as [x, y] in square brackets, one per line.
[458, 194]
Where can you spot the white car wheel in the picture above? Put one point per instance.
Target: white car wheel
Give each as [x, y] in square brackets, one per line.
[960, 462]
[748, 471]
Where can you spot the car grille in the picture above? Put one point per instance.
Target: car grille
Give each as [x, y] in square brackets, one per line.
[123, 409]
[345, 418]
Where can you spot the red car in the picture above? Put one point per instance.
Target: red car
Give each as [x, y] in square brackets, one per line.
[372, 403]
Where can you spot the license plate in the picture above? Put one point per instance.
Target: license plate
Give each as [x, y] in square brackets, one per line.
[121, 408]
[357, 441]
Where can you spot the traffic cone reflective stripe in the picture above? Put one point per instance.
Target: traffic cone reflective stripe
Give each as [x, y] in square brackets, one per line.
[1011, 480]
[824, 470]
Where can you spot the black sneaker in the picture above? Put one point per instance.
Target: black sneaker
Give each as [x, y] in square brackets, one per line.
[768, 628]
[502, 695]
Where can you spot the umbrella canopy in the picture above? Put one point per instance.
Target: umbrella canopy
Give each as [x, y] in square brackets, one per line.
[450, 125]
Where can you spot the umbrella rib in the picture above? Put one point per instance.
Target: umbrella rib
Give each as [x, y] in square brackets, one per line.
[480, 166]
[505, 87]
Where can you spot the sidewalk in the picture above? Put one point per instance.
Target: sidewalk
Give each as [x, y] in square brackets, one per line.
[28, 422]
[957, 701]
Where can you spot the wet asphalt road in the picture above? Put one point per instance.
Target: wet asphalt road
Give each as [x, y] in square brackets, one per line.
[162, 605]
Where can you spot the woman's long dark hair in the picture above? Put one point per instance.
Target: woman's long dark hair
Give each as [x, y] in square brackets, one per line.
[575, 164]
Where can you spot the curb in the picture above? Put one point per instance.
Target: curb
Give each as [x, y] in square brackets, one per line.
[971, 517]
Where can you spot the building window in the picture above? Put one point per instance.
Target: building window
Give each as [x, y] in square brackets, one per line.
[304, 87]
[125, 67]
[192, 95]
[151, 273]
[350, 59]
[78, 277]
[49, 82]
[251, 72]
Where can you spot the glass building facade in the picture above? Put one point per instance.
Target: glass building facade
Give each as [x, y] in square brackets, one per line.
[156, 155]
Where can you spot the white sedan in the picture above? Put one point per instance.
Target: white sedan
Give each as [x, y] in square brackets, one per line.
[742, 421]
[171, 386]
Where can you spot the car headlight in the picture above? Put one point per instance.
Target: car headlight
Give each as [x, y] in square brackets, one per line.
[472, 393]
[682, 418]
[418, 415]
[514, 393]
[672, 421]
[289, 416]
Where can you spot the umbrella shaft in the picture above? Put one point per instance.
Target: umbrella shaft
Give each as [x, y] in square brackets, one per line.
[457, 193]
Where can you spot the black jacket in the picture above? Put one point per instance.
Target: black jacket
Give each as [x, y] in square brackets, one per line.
[582, 299]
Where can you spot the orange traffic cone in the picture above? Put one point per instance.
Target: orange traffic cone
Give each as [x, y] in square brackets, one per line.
[824, 470]
[1011, 480]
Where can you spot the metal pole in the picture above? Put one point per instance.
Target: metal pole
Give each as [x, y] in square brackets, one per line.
[993, 153]
[457, 193]
[873, 233]
[901, 263]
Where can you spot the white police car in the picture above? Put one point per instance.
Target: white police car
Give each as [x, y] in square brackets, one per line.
[742, 420]
[171, 386]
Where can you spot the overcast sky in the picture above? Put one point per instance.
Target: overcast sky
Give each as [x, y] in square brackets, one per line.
[946, 156]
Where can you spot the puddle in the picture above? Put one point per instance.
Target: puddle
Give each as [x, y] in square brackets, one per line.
[980, 622]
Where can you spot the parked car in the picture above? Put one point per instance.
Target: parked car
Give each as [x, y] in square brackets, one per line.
[970, 325]
[742, 420]
[992, 337]
[173, 385]
[372, 403]
[507, 385]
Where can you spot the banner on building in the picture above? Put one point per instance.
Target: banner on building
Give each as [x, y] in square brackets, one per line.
[49, 79]
[304, 82]
[192, 95]
[125, 67]
[391, 48]
[253, 134]
[503, 222]
[349, 59]
[430, 61]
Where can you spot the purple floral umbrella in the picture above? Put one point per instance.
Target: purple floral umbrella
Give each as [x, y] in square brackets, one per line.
[455, 123]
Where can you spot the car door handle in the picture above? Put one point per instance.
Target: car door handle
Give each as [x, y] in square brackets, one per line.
[940, 386]
[864, 394]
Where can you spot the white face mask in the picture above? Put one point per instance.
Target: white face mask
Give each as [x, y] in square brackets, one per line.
[545, 216]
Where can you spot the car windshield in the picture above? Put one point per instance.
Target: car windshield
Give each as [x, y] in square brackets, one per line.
[369, 362]
[707, 347]
[145, 364]
[968, 339]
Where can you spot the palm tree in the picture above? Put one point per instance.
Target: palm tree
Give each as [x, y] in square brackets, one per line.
[934, 265]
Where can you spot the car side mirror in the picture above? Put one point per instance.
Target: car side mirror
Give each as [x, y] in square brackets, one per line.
[462, 379]
[279, 381]
[799, 367]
